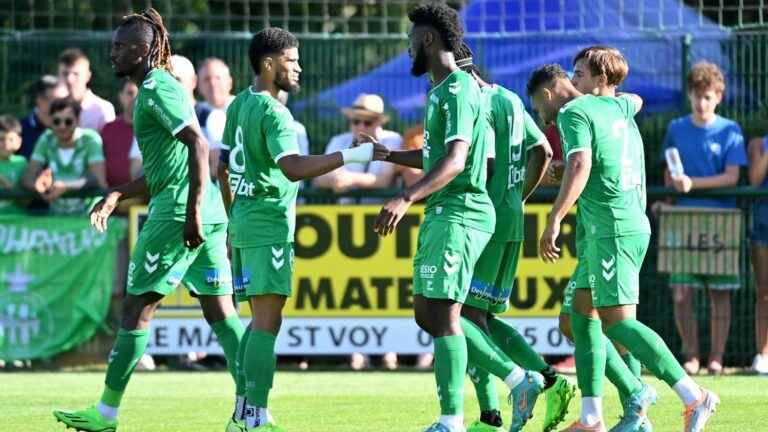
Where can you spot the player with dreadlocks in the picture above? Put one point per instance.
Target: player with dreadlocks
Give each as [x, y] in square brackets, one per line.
[184, 237]
[519, 156]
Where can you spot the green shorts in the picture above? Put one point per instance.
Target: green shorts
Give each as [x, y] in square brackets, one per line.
[713, 282]
[446, 255]
[263, 270]
[160, 261]
[494, 277]
[579, 280]
[613, 265]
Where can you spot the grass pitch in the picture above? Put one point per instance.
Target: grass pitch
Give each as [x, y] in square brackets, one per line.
[323, 402]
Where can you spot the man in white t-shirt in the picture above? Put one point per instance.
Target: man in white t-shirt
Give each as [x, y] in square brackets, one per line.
[366, 115]
[75, 73]
[214, 83]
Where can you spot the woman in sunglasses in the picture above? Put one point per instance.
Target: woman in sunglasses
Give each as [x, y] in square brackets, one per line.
[66, 158]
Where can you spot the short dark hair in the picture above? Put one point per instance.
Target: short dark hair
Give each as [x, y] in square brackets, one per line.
[442, 18]
[63, 103]
[70, 56]
[545, 75]
[8, 123]
[271, 40]
[42, 86]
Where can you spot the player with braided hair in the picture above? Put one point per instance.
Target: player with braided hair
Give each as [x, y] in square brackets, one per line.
[184, 237]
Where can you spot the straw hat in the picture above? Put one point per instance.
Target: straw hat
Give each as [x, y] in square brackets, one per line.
[367, 106]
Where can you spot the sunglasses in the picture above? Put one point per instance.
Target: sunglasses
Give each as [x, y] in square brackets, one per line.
[66, 121]
[367, 123]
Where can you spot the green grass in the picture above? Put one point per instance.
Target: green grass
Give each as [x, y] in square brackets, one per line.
[321, 401]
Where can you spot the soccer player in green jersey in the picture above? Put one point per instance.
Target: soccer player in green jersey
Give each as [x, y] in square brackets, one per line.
[184, 237]
[519, 157]
[263, 172]
[459, 218]
[605, 173]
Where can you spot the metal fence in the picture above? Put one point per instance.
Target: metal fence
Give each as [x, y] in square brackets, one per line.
[383, 16]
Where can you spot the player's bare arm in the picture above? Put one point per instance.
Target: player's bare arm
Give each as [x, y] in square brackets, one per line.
[298, 167]
[197, 158]
[445, 171]
[574, 180]
[226, 192]
[538, 161]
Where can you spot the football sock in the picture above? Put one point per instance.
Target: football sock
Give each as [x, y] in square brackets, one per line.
[229, 331]
[485, 388]
[239, 413]
[450, 367]
[590, 354]
[128, 349]
[106, 411]
[483, 352]
[618, 373]
[453, 422]
[649, 348]
[591, 410]
[514, 345]
[633, 364]
[260, 362]
[688, 391]
[257, 416]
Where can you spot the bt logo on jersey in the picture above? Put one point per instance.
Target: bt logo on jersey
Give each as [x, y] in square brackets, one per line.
[516, 175]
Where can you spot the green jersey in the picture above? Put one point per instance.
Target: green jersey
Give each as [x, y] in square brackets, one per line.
[12, 170]
[259, 131]
[455, 110]
[162, 110]
[69, 164]
[613, 201]
[513, 134]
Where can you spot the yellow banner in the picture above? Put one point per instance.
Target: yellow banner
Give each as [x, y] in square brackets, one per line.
[343, 269]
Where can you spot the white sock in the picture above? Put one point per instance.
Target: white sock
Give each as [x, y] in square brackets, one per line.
[106, 411]
[591, 410]
[239, 413]
[688, 390]
[257, 416]
[452, 421]
[515, 377]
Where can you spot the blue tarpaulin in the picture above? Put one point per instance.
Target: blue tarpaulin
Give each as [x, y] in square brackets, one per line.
[530, 33]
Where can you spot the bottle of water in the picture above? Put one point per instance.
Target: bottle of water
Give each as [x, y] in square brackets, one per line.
[674, 163]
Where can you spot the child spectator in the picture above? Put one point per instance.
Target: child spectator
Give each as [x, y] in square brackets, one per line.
[73, 157]
[758, 166]
[12, 166]
[712, 151]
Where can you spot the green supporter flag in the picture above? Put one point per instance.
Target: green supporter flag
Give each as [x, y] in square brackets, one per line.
[56, 276]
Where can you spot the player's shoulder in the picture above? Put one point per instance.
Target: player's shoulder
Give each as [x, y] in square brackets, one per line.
[726, 123]
[159, 81]
[86, 136]
[680, 124]
[17, 160]
[455, 83]
[578, 105]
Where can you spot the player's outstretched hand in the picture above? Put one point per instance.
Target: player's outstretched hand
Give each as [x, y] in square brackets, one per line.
[390, 216]
[193, 232]
[101, 211]
[380, 151]
[547, 247]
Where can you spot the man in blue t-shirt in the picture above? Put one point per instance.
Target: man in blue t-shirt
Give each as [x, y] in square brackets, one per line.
[711, 150]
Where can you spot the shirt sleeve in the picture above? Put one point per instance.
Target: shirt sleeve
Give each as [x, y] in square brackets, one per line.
[575, 133]
[38, 153]
[215, 125]
[108, 111]
[337, 143]
[628, 106]
[735, 154]
[458, 111]
[93, 149]
[281, 136]
[169, 106]
[532, 135]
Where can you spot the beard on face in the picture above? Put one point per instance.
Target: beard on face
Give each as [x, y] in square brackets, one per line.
[284, 83]
[419, 62]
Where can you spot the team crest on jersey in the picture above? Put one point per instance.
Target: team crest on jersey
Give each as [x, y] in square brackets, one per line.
[715, 148]
[454, 87]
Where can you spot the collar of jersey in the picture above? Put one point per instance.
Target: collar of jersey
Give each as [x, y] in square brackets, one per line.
[444, 80]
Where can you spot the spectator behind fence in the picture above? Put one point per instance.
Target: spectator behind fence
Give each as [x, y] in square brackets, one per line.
[12, 166]
[75, 73]
[184, 72]
[712, 151]
[365, 116]
[73, 158]
[758, 166]
[45, 90]
[413, 139]
[117, 137]
[215, 85]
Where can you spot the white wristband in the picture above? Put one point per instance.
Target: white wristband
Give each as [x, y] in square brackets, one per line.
[360, 154]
